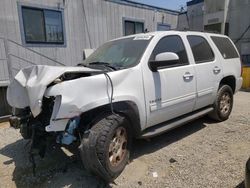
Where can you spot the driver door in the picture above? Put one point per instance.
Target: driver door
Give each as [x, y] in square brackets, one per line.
[169, 92]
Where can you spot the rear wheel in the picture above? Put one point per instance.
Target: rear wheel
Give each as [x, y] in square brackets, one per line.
[223, 104]
[105, 149]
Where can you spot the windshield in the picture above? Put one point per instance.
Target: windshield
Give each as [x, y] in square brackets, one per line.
[121, 53]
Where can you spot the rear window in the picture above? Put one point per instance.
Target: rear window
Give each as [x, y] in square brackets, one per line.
[201, 50]
[225, 47]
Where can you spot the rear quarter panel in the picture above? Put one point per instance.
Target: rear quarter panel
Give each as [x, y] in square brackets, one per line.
[230, 67]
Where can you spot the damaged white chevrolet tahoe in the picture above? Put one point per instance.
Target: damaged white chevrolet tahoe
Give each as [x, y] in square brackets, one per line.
[134, 87]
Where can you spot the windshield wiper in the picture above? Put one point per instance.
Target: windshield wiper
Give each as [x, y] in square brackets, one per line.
[104, 64]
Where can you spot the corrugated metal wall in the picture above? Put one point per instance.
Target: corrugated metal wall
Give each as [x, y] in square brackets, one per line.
[104, 21]
[88, 24]
[4, 74]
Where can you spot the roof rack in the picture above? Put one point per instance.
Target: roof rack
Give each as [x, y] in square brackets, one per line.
[204, 31]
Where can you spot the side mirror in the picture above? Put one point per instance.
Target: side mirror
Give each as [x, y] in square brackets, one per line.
[164, 60]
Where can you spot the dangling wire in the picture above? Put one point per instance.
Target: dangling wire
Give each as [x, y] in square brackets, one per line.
[112, 92]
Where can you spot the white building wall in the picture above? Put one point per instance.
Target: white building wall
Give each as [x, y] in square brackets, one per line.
[195, 16]
[239, 21]
[233, 12]
[183, 22]
[103, 22]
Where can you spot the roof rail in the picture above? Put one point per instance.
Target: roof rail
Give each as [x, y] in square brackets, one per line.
[204, 31]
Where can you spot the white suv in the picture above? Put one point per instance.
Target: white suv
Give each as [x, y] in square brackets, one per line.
[133, 87]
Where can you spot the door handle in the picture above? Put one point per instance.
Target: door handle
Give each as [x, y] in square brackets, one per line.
[188, 76]
[216, 70]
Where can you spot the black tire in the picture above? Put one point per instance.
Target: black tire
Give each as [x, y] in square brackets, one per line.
[222, 109]
[95, 147]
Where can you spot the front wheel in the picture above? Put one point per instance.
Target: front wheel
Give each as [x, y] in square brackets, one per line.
[105, 149]
[223, 104]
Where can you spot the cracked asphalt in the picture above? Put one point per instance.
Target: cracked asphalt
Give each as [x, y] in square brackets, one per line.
[202, 153]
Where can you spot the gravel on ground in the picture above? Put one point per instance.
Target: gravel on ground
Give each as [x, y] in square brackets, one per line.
[202, 153]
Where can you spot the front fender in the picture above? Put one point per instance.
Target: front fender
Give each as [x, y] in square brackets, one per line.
[84, 94]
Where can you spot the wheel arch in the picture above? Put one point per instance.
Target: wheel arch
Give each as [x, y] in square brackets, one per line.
[126, 108]
[229, 80]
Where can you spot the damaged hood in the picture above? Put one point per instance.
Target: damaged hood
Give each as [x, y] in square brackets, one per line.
[29, 85]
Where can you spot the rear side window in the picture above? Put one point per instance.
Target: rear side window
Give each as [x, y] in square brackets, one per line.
[225, 47]
[201, 49]
[171, 44]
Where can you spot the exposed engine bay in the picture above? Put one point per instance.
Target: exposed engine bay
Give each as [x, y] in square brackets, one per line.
[33, 122]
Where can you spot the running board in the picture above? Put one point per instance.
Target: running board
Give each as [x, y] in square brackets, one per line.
[169, 125]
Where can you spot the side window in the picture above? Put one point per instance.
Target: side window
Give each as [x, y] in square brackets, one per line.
[225, 47]
[201, 49]
[171, 44]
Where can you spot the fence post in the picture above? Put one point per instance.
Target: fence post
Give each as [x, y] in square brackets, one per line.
[9, 64]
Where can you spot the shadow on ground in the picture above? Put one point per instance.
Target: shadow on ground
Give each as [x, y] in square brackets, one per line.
[241, 185]
[56, 169]
[57, 164]
[142, 147]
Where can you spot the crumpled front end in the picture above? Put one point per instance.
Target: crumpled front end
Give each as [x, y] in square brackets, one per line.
[29, 85]
[27, 93]
[35, 112]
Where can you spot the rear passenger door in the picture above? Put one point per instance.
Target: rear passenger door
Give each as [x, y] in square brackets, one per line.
[208, 70]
